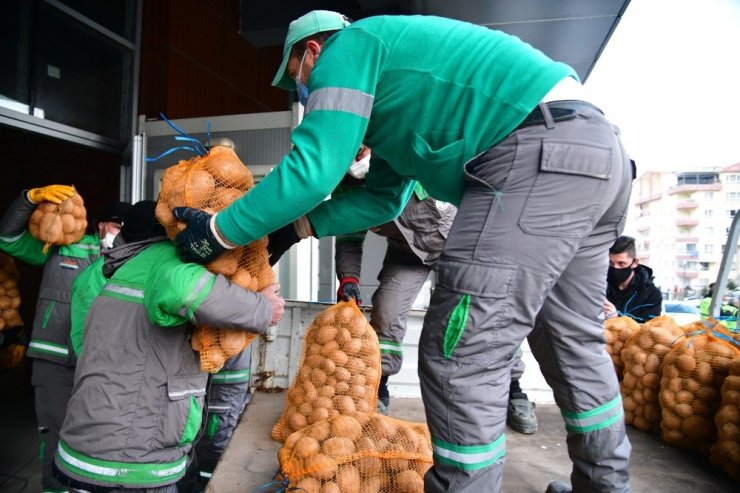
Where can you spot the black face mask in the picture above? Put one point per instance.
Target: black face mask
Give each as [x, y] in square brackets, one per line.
[615, 276]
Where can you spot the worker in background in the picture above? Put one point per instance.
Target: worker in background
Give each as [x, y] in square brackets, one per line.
[486, 122]
[53, 361]
[727, 311]
[630, 290]
[136, 352]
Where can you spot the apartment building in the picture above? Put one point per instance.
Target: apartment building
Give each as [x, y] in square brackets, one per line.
[681, 223]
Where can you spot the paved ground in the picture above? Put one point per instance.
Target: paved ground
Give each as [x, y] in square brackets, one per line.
[532, 461]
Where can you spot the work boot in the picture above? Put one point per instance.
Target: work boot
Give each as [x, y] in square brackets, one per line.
[520, 414]
[559, 487]
[384, 397]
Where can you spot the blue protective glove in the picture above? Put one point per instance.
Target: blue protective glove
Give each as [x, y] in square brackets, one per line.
[197, 242]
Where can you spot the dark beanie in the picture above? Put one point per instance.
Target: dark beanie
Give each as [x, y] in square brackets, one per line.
[140, 223]
[113, 213]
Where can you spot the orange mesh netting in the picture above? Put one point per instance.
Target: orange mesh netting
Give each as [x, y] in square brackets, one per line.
[726, 452]
[59, 224]
[693, 373]
[10, 298]
[617, 330]
[643, 365]
[12, 355]
[364, 452]
[339, 371]
[212, 182]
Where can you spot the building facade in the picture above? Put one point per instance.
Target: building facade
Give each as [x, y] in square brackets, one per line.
[681, 223]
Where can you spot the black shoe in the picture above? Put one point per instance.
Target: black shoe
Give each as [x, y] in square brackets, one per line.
[559, 487]
[520, 413]
[384, 397]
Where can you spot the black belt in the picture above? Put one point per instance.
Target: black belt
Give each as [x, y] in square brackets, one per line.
[549, 113]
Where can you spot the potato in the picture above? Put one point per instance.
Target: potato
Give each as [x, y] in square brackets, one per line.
[309, 485]
[226, 167]
[408, 481]
[318, 414]
[325, 334]
[338, 446]
[297, 421]
[321, 466]
[306, 447]
[697, 428]
[348, 479]
[320, 430]
[227, 264]
[199, 188]
[339, 357]
[331, 488]
[346, 426]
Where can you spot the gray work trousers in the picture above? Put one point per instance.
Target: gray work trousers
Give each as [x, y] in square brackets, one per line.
[527, 257]
[400, 280]
[52, 384]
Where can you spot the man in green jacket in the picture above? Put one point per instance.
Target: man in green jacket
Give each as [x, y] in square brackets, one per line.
[50, 348]
[138, 400]
[541, 181]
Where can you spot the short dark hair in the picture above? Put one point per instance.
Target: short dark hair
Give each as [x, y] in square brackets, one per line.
[624, 244]
[299, 47]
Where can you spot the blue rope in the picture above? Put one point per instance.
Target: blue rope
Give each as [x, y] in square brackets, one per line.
[196, 148]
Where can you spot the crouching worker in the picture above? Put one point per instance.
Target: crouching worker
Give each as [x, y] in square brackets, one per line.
[137, 403]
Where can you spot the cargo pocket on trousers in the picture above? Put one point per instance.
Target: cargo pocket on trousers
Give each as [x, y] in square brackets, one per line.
[567, 192]
[471, 305]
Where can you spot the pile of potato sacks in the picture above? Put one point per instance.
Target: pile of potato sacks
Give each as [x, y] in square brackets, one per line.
[212, 182]
[678, 381]
[10, 301]
[334, 441]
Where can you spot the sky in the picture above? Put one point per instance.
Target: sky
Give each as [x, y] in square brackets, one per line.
[669, 77]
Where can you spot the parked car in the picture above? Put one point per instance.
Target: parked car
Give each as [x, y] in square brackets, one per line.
[683, 312]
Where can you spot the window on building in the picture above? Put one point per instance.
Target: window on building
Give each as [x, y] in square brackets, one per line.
[704, 265]
[709, 248]
[708, 213]
[709, 195]
[732, 179]
[732, 196]
[731, 212]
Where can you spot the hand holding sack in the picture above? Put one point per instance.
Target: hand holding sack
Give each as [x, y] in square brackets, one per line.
[207, 185]
[60, 217]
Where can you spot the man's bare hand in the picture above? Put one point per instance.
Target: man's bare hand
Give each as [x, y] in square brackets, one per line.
[610, 310]
[272, 293]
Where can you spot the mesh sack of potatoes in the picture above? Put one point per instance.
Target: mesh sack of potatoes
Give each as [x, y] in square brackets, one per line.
[211, 183]
[365, 452]
[339, 371]
[643, 362]
[59, 224]
[10, 298]
[693, 373]
[617, 331]
[12, 355]
[725, 453]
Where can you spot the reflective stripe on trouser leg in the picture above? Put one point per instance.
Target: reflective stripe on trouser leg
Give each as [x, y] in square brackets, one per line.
[530, 205]
[400, 281]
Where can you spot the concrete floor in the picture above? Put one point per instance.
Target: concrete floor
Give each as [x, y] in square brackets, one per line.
[532, 461]
[251, 459]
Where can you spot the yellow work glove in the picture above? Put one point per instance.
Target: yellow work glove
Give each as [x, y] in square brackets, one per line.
[52, 193]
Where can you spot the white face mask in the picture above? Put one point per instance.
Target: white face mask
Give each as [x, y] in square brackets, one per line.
[107, 241]
[358, 169]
